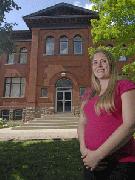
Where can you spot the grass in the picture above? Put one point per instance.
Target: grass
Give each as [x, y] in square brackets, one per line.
[40, 160]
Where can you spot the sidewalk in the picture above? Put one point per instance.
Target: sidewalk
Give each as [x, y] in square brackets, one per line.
[7, 134]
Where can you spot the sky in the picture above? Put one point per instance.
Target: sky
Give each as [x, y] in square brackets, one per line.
[30, 6]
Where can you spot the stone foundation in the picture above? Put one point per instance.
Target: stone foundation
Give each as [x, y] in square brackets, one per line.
[29, 113]
[76, 111]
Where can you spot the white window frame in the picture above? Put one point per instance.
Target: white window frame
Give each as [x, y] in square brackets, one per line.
[78, 39]
[49, 46]
[64, 42]
[14, 89]
[11, 58]
[23, 55]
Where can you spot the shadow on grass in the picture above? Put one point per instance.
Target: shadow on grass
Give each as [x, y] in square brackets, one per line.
[40, 160]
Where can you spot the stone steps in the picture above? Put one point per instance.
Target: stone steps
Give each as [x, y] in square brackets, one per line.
[50, 124]
[53, 121]
[55, 118]
[57, 121]
[43, 127]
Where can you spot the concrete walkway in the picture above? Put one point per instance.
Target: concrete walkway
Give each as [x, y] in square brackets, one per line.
[7, 134]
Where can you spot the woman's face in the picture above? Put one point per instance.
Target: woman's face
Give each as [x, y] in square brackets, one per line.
[100, 66]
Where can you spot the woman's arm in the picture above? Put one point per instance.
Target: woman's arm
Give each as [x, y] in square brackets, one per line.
[80, 130]
[121, 135]
[126, 130]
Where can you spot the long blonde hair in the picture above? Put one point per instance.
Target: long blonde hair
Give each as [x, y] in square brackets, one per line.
[106, 100]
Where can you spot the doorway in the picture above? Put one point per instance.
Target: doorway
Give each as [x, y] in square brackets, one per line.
[63, 95]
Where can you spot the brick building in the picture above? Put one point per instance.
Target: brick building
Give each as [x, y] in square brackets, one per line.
[49, 68]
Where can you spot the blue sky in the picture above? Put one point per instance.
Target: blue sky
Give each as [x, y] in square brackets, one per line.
[30, 6]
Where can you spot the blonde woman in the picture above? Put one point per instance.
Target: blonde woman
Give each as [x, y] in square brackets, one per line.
[107, 123]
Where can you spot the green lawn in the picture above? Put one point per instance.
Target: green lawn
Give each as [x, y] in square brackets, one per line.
[40, 160]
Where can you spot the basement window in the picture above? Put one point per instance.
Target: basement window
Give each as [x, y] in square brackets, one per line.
[17, 114]
[5, 114]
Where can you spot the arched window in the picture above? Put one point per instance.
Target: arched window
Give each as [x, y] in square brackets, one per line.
[49, 45]
[63, 45]
[23, 55]
[77, 44]
[11, 58]
[64, 83]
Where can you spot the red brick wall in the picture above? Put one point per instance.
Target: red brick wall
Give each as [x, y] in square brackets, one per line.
[42, 70]
[50, 67]
[15, 70]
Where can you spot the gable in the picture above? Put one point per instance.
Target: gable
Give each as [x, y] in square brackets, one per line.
[61, 15]
[62, 9]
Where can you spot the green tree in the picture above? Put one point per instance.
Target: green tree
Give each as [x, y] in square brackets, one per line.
[129, 70]
[116, 24]
[6, 43]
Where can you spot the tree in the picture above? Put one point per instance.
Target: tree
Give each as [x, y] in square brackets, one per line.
[129, 70]
[116, 24]
[6, 43]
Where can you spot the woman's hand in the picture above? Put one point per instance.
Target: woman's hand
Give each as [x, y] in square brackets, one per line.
[92, 159]
[83, 151]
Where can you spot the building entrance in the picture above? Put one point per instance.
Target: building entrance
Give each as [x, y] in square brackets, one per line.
[64, 95]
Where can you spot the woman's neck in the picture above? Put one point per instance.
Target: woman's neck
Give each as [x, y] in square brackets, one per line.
[104, 85]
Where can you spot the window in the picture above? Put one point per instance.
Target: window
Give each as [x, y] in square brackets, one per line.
[23, 56]
[64, 83]
[5, 114]
[77, 45]
[122, 58]
[44, 92]
[11, 58]
[64, 45]
[17, 114]
[50, 46]
[109, 45]
[14, 87]
[82, 89]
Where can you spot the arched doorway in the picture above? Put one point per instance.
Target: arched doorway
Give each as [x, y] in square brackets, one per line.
[63, 95]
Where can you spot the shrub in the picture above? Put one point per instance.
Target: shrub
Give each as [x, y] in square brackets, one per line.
[3, 123]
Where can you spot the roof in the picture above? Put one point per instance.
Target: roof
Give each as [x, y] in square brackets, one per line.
[62, 9]
[22, 35]
[55, 15]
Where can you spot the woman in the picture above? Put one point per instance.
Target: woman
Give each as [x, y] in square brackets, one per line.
[107, 123]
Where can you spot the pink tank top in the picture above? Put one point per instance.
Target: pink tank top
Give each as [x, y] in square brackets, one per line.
[99, 128]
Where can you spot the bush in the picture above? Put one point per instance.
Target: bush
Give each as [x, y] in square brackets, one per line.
[129, 70]
[3, 123]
